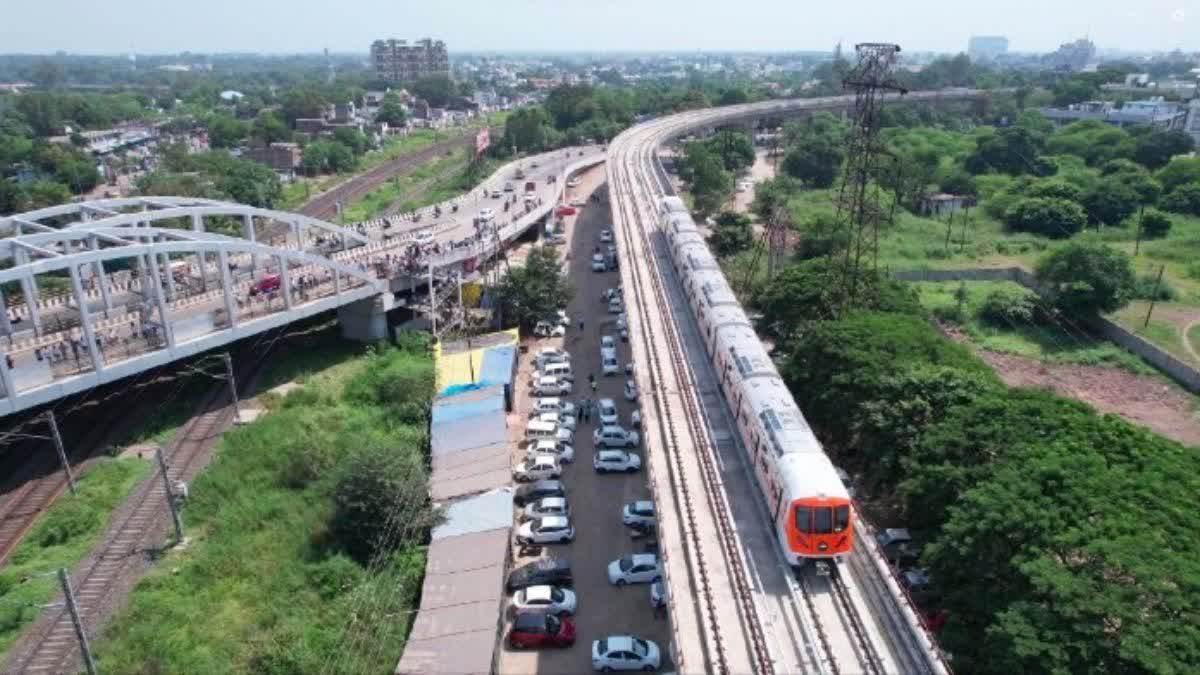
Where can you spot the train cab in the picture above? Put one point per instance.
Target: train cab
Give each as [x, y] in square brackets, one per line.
[672, 205]
[818, 521]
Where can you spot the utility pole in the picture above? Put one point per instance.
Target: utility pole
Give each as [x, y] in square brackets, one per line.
[77, 621]
[1154, 295]
[1137, 242]
[62, 452]
[175, 517]
[432, 304]
[233, 393]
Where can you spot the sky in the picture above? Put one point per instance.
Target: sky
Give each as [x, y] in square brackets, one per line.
[172, 26]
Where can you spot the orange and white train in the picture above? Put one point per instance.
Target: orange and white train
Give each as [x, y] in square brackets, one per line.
[804, 491]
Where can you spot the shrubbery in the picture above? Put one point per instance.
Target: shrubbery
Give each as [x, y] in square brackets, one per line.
[1008, 306]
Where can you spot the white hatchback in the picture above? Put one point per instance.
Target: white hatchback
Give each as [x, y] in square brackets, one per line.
[619, 461]
[548, 530]
[607, 409]
[564, 452]
[548, 599]
[537, 468]
[625, 652]
[638, 568]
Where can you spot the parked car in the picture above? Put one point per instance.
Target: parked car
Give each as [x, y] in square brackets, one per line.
[537, 629]
[610, 293]
[564, 452]
[552, 386]
[554, 571]
[547, 355]
[548, 329]
[562, 419]
[897, 545]
[562, 318]
[639, 513]
[537, 468]
[546, 599]
[636, 568]
[625, 652]
[267, 284]
[608, 362]
[573, 182]
[598, 264]
[565, 210]
[615, 306]
[508, 187]
[487, 214]
[548, 530]
[607, 409]
[496, 194]
[658, 594]
[606, 236]
[618, 461]
[631, 392]
[555, 404]
[547, 506]
[535, 491]
[608, 342]
[614, 436]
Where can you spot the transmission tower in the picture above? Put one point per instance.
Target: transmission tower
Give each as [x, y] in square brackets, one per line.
[858, 208]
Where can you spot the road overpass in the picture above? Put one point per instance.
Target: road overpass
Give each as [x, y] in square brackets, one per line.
[150, 280]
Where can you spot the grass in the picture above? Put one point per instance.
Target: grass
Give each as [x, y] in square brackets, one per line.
[1051, 343]
[263, 587]
[60, 538]
[401, 190]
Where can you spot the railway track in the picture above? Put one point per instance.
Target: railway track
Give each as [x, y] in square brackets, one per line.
[142, 522]
[674, 394]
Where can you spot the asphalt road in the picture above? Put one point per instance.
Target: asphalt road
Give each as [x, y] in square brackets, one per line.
[595, 500]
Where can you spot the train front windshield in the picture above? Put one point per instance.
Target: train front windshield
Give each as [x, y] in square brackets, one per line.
[822, 519]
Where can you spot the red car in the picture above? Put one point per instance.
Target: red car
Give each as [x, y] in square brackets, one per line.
[265, 285]
[534, 629]
[564, 211]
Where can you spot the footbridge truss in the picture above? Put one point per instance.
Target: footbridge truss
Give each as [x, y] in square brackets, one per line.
[125, 285]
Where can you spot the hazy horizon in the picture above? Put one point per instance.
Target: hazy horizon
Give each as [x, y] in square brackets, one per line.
[602, 26]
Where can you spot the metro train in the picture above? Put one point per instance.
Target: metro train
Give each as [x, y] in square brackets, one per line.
[809, 503]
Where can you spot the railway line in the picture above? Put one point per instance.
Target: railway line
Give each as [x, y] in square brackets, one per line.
[855, 619]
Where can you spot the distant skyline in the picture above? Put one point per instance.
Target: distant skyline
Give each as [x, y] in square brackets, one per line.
[291, 26]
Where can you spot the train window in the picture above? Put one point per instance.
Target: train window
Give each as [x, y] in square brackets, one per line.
[822, 521]
[841, 518]
[803, 519]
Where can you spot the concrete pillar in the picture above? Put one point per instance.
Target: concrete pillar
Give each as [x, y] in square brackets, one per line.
[101, 277]
[85, 320]
[30, 290]
[202, 261]
[166, 269]
[6, 377]
[248, 227]
[228, 287]
[364, 320]
[5, 323]
[298, 233]
[285, 281]
[168, 333]
[197, 222]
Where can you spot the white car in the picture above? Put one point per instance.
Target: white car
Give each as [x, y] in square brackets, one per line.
[574, 182]
[552, 404]
[547, 355]
[579, 202]
[548, 530]
[635, 418]
[609, 294]
[614, 436]
[537, 468]
[607, 409]
[545, 446]
[605, 236]
[598, 264]
[638, 568]
[487, 214]
[639, 513]
[615, 306]
[625, 652]
[423, 237]
[622, 322]
[547, 506]
[552, 386]
[496, 194]
[616, 461]
[562, 419]
[631, 392]
[608, 362]
[658, 594]
[548, 329]
[546, 599]
[563, 319]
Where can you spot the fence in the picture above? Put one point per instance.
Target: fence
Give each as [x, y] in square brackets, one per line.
[1183, 374]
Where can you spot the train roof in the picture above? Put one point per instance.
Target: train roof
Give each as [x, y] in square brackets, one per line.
[726, 315]
[746, 350]
[769, 401]
[810, 474]
[712, 284]
[699, 258]
[681, 222]
[687, 237]
[673, 205]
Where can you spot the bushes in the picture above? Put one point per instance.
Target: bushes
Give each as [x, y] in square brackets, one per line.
[399, 384]
[379, 495]
[1009, 305]
[1183, 199]
[1052, 217]
[1155, 224]
[1150, 287]
[1087, 278]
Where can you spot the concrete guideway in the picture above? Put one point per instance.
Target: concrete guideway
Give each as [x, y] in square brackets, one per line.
[858, 618]
[203, 289]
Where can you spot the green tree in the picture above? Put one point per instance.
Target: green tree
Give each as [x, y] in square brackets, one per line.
[733, 96]
[1179, 171]
[269, 128]
[437, 90]
[534, 291]
[304, 102]
[1156, 224]
[225, 131]
[391, 111]
[732, 234]
[1184, 199]
[1093, 141]
[733, 146]
[12, 198]
[1109, 201]
[1075, 90]
[1156, 148]
[79, 175]
[528, 130]
[1012, 150]
[1087, 278]
[45, 193]
[1054, 188]
[711, 184]
[354, 139]
[569, 105]
[1050, 217]
[378, 490]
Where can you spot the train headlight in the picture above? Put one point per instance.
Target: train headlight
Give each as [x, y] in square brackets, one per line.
[822, 546]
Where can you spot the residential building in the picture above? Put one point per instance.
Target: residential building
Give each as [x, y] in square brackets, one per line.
[282, 157]
[1192, 125]
[1155, 112]
[986, 47]
[1073, 56]
[399, 61]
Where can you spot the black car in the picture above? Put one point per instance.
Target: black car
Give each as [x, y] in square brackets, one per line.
[547, 571]
[534, 491]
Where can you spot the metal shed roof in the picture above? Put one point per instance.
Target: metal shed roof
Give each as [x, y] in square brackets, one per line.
[498, 365]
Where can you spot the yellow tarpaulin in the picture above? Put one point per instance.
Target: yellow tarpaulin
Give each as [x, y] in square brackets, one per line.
[463, 367]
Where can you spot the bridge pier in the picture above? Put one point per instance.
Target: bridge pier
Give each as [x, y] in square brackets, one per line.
[364, 320]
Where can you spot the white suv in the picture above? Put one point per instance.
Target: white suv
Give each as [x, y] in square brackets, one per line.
[548, 530]
[607, 409]
[619, 461]
[613, 436]
[639, 568]
[551, 386]
[608, 362]
[564, 452]
[537, 468]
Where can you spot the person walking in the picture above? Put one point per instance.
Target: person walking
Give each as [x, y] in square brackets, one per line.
[593, 379]
[581, 325]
